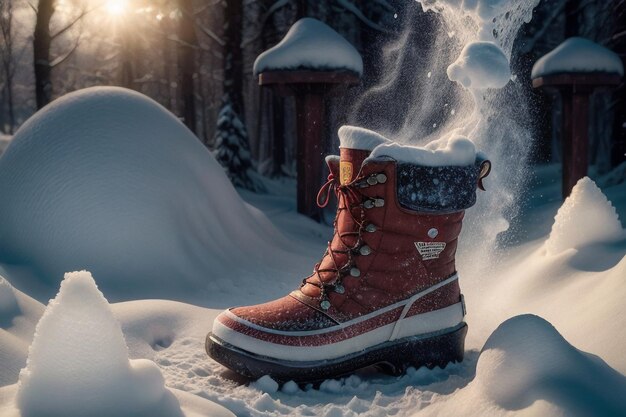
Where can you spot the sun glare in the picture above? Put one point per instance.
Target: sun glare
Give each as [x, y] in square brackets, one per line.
[116, 7]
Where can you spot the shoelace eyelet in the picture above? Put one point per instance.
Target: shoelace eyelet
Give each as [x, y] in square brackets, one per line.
[365, 250]
[325, 305]
[370, 228]
[339, 289]
[355, 272]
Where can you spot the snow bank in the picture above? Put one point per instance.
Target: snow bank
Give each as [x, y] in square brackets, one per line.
[310, 44]
[480, 65]
[354, 137]
[527, 368]
[78, 362]
[106, 179]
[452, 151]
[578, 55]
[586, 217]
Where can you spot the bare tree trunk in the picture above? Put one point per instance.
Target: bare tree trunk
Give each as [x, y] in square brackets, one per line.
[187, 63]
[233, 57]
[8, 65]
[41, 52]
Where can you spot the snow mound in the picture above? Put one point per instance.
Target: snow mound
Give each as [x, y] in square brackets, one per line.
[452, 151]
[526, 359]
[354, 137]
[578, 55]
[310, 44]
[480, 65]
[78, 362]
[106, 179]
[586, 217]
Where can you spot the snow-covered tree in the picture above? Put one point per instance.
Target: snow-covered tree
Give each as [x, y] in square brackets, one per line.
[232, 150]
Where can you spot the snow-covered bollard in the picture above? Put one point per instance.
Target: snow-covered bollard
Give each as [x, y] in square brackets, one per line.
[575, 69]
[311, 62]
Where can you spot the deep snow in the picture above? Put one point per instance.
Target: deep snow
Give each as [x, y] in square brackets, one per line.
[78, 366]
[135, 203]
[313, 45]
[580, 292]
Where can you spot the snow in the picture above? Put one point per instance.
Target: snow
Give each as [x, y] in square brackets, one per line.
[586, 217]
[527, 368]
[267, 384]
[78, 363]
[126, 191]
[354, 137]
[313, 45]
[4, 142]
[485, 9]
[450, 151]
[578, 55]
[579, 292]
[19, 314]
[480, 65]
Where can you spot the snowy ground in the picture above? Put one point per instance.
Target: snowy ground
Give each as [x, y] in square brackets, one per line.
[526, 367]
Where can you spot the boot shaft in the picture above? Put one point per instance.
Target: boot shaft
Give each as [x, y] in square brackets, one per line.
[396, 233]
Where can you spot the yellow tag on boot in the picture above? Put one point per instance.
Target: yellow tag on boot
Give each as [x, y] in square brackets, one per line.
[345, 172]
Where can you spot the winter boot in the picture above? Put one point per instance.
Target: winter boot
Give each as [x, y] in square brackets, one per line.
[386, 291]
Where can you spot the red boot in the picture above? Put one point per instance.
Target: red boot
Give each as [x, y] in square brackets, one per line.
[386, 291]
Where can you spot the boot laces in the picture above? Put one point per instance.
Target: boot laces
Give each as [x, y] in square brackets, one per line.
[349, 197]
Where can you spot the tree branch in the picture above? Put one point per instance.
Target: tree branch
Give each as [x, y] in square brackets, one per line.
[63, 58]
[349, 6]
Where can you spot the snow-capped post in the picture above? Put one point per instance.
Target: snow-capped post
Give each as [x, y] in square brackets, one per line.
[311, 62]
[575, 69]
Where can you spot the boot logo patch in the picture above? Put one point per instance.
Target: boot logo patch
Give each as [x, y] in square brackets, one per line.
[345, 172]
[430, 250]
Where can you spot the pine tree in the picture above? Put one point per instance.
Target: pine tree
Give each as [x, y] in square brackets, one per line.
[232, 150]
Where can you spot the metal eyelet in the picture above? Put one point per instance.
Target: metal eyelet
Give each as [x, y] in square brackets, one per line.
[372, 180]
[379, 202]
[325, 305]
[365, 250]
[368, 204]
[339, 289]
[381, 178]
[432, 233]
[371, 228]
[355, 272]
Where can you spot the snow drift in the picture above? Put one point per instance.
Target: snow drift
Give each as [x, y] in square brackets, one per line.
[527, 367]
[106, 179]
[78, 363]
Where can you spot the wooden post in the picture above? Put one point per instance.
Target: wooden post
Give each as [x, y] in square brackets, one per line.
[310, 125]
[310, 89]
[575, 90]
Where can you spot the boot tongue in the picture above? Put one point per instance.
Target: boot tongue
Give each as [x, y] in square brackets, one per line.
[350, 163]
